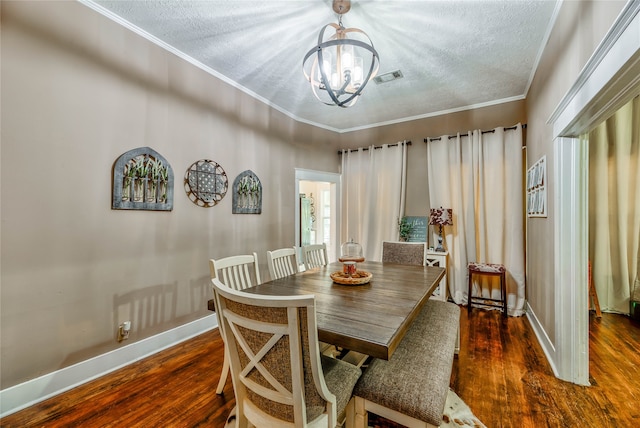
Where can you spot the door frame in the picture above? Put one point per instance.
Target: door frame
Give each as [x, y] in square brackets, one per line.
[610, 78]
[335, 180]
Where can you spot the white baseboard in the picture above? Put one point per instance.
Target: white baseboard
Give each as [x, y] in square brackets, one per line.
[546, 344]
[33, 391]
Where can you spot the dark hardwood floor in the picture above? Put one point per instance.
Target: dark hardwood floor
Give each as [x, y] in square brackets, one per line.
[501, 373]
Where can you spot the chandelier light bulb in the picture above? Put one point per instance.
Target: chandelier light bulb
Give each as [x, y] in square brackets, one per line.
[357, 72]
[335, 80]
[347, 58]
[326, 63]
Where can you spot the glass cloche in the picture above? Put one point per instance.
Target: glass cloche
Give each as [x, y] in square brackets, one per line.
[351, 251]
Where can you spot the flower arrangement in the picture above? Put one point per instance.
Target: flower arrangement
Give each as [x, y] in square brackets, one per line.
[248, 188]
[145, 171]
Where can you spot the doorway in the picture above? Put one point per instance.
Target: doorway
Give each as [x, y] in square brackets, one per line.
[608, 81]
[317, 210]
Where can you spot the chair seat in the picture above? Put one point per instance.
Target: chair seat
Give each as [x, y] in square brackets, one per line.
[340, 378]
[486, 267]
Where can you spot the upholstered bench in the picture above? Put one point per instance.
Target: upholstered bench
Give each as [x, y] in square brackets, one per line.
[411, 387]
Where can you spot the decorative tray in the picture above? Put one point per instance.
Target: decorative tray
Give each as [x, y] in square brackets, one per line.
[358, 278]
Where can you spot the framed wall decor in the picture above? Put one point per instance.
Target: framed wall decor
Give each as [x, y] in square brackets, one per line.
[205, 183]
[142, 180]
[247, 193]
[418, 228]
[537, 189]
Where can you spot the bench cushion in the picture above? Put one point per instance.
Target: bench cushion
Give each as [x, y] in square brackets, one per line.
[415, 381]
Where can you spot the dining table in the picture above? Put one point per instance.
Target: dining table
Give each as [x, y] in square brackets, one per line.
[370, 318]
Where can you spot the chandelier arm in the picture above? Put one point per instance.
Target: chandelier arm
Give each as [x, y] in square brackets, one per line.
[359, 90]
[324, 79]
[347, 81]
[321, 34]
[318, 50]
[323, 75]
[330, 90]
[353, 42]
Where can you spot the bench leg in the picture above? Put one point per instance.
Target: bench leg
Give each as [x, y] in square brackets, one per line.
[363, 407]
[360, 413]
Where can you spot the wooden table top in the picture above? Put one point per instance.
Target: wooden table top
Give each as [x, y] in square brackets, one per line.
[371, 318]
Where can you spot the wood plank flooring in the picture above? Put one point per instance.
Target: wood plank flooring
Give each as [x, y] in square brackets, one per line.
[501, 373]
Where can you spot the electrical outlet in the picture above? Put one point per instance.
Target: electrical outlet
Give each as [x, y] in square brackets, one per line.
[123, 331]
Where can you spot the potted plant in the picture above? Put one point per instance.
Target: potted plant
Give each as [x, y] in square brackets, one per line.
[404, 229]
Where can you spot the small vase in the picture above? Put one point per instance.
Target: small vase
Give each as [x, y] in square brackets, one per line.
[138, 189]
[162, 194]
[151, 196]
[126, 190]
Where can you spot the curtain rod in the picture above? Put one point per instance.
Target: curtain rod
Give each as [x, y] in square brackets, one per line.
[408, 143]
[511, 128]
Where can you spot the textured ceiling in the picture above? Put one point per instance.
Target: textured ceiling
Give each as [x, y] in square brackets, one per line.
[454, 55]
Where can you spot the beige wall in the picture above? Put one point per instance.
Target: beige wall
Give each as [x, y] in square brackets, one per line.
[78, 90]
[580, 27]
[507, 114]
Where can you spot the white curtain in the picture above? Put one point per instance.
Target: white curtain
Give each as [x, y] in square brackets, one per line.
[479, 175]
[614, 207]
[373, 192]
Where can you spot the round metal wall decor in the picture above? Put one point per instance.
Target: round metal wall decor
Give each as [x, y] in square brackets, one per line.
[205, 183]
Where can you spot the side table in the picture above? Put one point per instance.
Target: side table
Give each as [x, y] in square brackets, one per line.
[439, 259]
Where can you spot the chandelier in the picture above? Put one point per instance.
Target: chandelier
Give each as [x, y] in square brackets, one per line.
[335, 67]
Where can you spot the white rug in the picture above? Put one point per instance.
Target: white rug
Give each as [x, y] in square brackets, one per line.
[458, 414]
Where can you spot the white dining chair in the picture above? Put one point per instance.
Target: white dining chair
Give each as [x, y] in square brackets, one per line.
[238, 273]
[279, 376]
[282, 262]
[314, 255]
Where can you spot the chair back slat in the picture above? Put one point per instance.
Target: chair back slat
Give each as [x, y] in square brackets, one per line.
[282, 262]
[237, 272]
[315, 256]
